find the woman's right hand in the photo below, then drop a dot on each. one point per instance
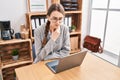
(55, 34)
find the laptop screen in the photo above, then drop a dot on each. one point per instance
(67, 62)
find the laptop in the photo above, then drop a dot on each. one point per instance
(65, 63)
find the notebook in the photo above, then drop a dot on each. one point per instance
(65, 63)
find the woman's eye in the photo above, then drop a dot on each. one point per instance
(54, 18)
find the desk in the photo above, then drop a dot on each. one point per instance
(93, 68)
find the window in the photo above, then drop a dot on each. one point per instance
(105, 17)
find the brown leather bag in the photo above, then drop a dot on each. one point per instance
(92, 44)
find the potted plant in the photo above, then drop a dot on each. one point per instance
(73, 27)
(15, 54)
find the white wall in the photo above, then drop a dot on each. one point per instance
(85, 19)
(13, 10)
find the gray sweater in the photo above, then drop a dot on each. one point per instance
(53, 49)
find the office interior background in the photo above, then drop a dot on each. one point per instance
(100, 18)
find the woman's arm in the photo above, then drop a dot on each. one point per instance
(65, 50)
(41, 53)
(47, 51)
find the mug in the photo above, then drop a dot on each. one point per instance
(17, 36)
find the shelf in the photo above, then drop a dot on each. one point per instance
(10, 62)
(74, 16)
(36, 13)
(12, 41)
(44, 13)
(71, 33)
(75, 33)
(75, 51)
(9, 73)
(15, 64)
(72, 12)
(32, 39)
(24, 47)
(7, 64)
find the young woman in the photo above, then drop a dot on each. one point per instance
(52, 39)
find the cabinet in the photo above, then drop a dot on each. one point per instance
(33, 18)
(7, 64)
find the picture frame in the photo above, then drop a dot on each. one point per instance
(37, 5)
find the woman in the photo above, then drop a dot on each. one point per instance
(52, 39)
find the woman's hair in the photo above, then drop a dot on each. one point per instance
(54, 7)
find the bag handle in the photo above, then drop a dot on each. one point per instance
(100, 49)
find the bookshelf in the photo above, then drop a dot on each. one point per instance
(7, 64)
(75, 15)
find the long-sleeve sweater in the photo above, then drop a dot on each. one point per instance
(53, 49)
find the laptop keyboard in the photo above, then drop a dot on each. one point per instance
(53, 67)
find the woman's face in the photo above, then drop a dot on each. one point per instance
(55, 19)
